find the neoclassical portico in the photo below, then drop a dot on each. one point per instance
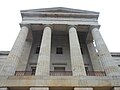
(77, 62)
(59, 49)
(43, 64)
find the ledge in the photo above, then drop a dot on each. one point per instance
(59, 81)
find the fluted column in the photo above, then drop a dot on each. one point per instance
(108, 64)
(96, 64)
(43, 64)
(75, 54)
(15, 53)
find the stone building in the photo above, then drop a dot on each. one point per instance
(59, 49)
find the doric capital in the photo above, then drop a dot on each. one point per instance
(70, 26)
(27, 25)
(94, 26)
(49, 25)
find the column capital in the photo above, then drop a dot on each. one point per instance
(25, 25)
(94, 26)
(72, 26)
(48, 25)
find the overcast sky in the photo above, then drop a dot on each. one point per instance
(109, 18)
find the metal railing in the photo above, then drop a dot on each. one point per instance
(95, 73)
(60, 73)
(24, 73)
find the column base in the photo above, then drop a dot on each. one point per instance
(83, 88)
(116, 88)
(39, 88)
(3, 88)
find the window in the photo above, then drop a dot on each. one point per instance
(37, 50)
(33, 70)
(59, 50)
(82, 50)
(59, 68)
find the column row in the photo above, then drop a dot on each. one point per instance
(43, 64)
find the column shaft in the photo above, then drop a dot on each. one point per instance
(25, 56)
(15, 53)
(43, 64)
(108, 64)
(75, 53)
(96, 64)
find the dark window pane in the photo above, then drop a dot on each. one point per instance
(59, 50)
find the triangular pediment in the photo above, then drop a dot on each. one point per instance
(60, 9)
(58, 12)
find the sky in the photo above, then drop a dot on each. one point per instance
(109, 18)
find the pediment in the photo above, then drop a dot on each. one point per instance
(61, 12)
(60, 9)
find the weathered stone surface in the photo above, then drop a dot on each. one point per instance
(24, 56)
(15, 53)
(96, 64)
(77, 63)
(60, 81)
(43, 64)
(109, 66)
(39, 88)
(83, 88)
(116, 88)
(3, 88)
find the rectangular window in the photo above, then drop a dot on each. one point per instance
(33, 70)
(59, 68)
(82, 50)
(59, 50)
(37, 49)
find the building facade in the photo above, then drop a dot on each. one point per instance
(59, 49)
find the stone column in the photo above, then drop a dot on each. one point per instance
(39, 88)
(15, 53)
(25, 56)
(96, 64)
(43, 64)
(108, 64)
(116, 88)
(77, 63)
(83, 88)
